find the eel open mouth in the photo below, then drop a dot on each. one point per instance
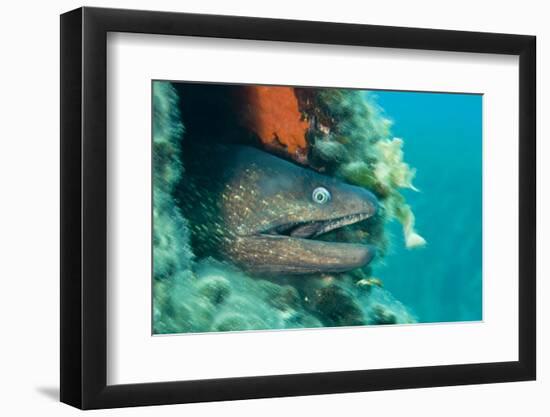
(291, 248)
(314, 228)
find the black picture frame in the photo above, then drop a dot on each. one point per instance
(84, 207)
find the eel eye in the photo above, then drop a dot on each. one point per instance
(321, 195)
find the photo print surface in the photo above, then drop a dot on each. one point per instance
(285, 207)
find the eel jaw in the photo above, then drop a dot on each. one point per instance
(312, 229)
(291, 249)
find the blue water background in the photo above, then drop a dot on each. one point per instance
(442, 136)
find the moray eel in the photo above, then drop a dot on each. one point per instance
(263, 213)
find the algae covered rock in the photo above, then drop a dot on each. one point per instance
(336, 308)
(216, 288)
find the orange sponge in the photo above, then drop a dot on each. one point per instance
(273, 114)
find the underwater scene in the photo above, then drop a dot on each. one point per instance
(285, 207)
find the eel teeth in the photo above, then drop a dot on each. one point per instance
(341, 222)
(310, 229)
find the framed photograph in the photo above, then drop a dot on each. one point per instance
(257, 208)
